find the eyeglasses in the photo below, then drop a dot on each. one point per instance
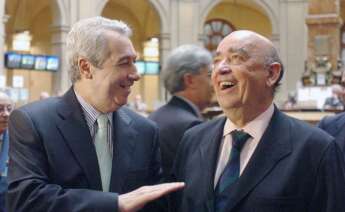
(6, 108)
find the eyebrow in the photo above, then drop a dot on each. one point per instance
(242, 51)
(127, 57)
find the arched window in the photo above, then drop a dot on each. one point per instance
(342, 44)
(215, 30)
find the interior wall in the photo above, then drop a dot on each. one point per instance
(36, 17)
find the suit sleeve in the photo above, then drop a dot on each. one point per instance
(329, 193)
(30, 187)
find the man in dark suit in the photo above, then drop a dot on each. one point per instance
(256, 158)
(6, 107)
(335, 126)
(83, 151)
(186, 77)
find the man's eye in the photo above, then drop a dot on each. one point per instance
(236, 59)
(216, 60)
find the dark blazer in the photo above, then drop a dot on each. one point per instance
(173, 119)
(53, 163)
(335, 126)
(295, 168)
(3, 167)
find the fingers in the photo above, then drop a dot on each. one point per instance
(136, 199)
(156, 191)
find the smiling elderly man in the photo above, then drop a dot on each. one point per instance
(256, 158)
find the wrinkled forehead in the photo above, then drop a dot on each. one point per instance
(246, 45)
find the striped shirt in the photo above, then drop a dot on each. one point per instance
(91, 115)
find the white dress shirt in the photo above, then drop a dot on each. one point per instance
(255, 129)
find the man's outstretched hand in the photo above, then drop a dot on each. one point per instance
(135, 200)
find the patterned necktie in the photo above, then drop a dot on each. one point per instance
(232, 169)
(103, 151)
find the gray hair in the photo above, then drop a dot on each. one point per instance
(182, 60)
(88, 39)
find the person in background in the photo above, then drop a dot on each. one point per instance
(335, 125)
(84, 151)
(186, 78)
(335, 102)
(256, 158)
(44, 95)
(139, 106)
(6, 107)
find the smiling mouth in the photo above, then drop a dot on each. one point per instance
(226, 85)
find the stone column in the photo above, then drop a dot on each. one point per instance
(324, 24)
(3, 20)
(165, 48)
(61, 79)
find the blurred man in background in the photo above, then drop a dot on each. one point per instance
(336, 101)
(186, 78)
(6, 107)
(335, 125)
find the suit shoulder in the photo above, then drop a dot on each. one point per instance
(310, 133)
(326, 121)
(44, 107)
(205, 127)
(137, 118)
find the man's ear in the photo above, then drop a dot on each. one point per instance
(273, 73)
(85, 68)
(188, 80)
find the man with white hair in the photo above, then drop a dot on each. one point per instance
(84, 151)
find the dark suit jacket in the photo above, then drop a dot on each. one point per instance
(335, 126)
(173, 119)
(3, 167)
(295, 168)
(53, 162)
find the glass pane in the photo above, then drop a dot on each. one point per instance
(207, 29)
(226, 30)
(217, 25)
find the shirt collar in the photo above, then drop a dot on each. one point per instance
(254, 128)
(91, 113)
(192, 105)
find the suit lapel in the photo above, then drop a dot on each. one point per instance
(123, 140)
(273, 146)
(208, 151)
(76, 133)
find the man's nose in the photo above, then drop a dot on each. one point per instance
(224, 67)
(134, 75)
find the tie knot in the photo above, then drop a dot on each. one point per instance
(239, 137)
(102, 121)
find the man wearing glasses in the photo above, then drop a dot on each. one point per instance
(6, 107)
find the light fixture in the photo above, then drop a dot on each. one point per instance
(22, 41)
(151, 50)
